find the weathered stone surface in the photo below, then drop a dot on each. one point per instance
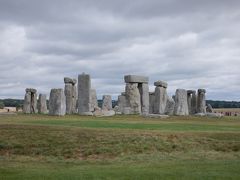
(217, 115)
(42, 104)
(201, 101)
(107, 102)
(181, 105)
(127, 110)
(31, 90)
(209, 108)
(27, 103)
(117, 110)
(30, 101)
(151, 102)
(135, 79)
(70, 81)
(94, 102)
(57, 102)
(133, 98)
(122, 102)
(189, 100)
(104, 113)
(161, 116)
(84, 94)
(160, 100)
(144, 93)
(161, 84)
(169, 106)
(87, 113)
(194, 103)
(70, 92)
(74, 99)
(213, 115)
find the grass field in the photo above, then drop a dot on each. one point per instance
(120, 147)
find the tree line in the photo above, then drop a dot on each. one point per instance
(215, 104)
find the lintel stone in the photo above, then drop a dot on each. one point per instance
(161, 84)
(135, 79)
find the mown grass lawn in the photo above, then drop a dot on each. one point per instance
(120, 147)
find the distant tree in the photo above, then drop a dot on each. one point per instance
(2, 105)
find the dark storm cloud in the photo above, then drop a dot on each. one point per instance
(189, 43)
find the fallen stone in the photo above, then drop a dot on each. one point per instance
(209, 108)
(161, 116)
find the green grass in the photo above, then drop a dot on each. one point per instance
(120, 147)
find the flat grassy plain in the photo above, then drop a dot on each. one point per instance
(119, 147)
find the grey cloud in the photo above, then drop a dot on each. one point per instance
(190, 44)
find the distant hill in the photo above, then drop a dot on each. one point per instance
(215, 104)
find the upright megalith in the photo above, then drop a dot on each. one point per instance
(70, 92)
(93, 100)
(169, 106)
(160, 97)
(42, 104)
(194, 102)
(122, 102)
(107, 102)
(30, 101)
(144, 93)
(84, 94)
(137, 94)
(181, 103)
(133, 97)
(57, 102)
(151, 102)
(201, 101)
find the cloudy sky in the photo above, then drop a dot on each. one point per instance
(188, 43)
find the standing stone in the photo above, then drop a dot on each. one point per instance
(122, 102)
(70, 93)
(189, 99)
(169, 106)
(27, 103)
(42, 104)
(74, 97)
(107, 102)
(194, 103)
(30, 101)
(84, 94)
(144, 93)
(94, 102)
(160, 97)
(151, 102)
(57, 102)
(181, 104)
(133, 97)
(201, 101)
